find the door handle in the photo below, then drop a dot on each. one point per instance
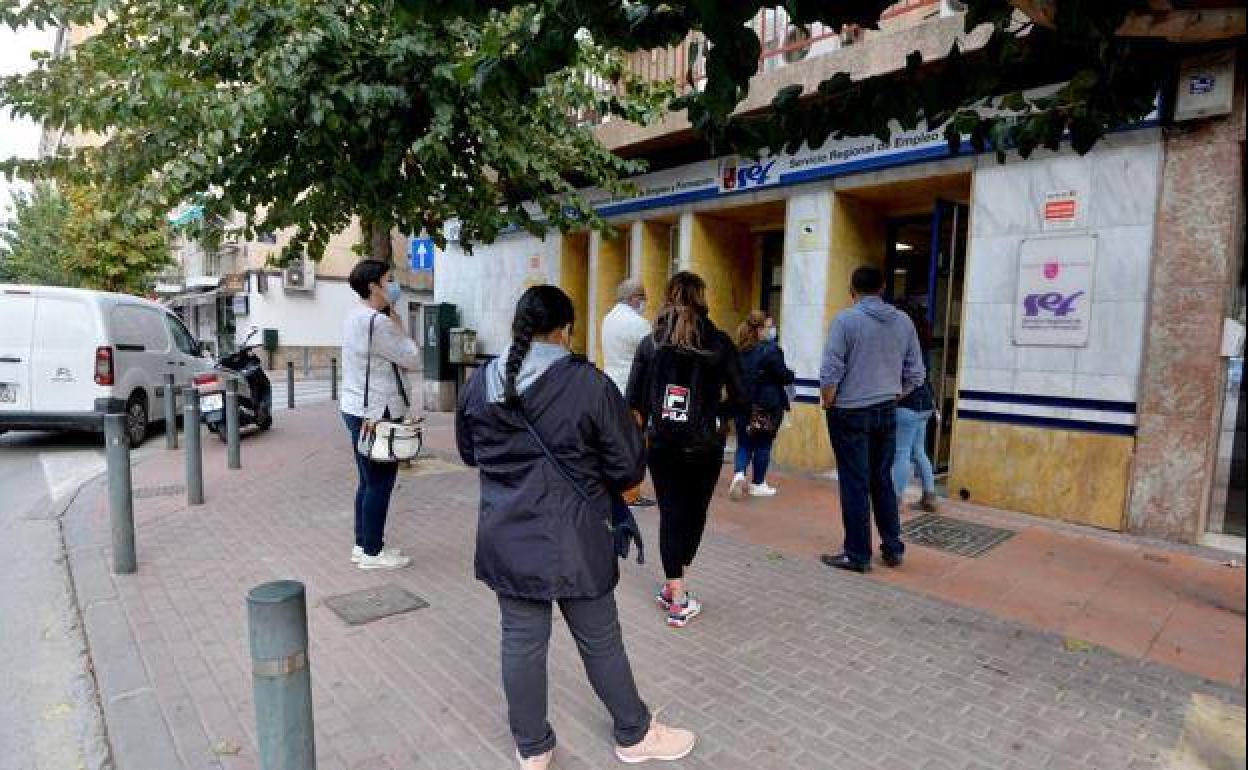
(10, 360)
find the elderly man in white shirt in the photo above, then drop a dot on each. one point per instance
(623, 329)
(374, 350)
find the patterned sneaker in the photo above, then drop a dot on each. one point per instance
(679, 615)
(663, 597)
(663, 743)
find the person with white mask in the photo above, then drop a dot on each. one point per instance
(374, 350)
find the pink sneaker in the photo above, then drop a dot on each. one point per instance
(664, 598)
(666, 744)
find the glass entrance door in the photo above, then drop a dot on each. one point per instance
(926, 267)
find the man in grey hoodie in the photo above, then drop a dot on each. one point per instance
(870, 360)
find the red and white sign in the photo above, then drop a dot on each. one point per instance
(1061, 210)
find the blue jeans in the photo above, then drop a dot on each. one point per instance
(755, 449)
(864, 441)
(912, 448)
(372, 495)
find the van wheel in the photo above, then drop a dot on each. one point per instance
(136, 419)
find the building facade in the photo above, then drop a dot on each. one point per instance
(1084, 308)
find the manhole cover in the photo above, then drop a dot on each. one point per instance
(360, 607)
(963, 538)
(168, 490)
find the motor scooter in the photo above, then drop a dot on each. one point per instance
(255, 392)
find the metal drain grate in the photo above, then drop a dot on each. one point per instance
(963, 538)
(168, 490)
(360, 607)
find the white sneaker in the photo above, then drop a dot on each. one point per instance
(762, 490)
(736, 490)
(389, 558)
(357, 553)
(540, 762)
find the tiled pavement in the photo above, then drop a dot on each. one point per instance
(791, 666)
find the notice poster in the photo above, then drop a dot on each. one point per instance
(1061, 210)
(1053, 304)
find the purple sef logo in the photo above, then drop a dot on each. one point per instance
(1053, 302)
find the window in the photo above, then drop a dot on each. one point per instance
(139, 326)
(181, 337)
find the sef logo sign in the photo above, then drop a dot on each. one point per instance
(1058, 304)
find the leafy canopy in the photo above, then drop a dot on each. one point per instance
(406, 113)
(72, 237)
(305, 115)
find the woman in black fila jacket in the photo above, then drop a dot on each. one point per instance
(677, 386)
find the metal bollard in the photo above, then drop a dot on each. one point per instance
(171, 413)
(277, 624)
(194, 452)
(120, 493)
(333, 379)
(233, 448)
(290, 384)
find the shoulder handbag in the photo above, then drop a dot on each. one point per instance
(622, 531)
(386, 440)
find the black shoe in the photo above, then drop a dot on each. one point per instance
(891, 559)
(843, 561)
(644, 502)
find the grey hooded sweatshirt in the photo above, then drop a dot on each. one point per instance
(872, 355)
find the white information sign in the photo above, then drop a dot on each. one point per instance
(1053, 304)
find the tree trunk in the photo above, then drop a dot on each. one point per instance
(377, 236)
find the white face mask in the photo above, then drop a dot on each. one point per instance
(641, 307)
(771, 333)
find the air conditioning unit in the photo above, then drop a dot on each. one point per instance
(299, 276)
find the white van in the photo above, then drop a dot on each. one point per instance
(69, 356)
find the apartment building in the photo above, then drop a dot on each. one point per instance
(1085, 308)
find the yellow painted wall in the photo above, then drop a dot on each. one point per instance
(858, 237)
(1069, 475)
(802, 443)
(723, 253)
(612, 268)
(574, 280)
(656, 257)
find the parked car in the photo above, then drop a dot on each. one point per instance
(69, 356)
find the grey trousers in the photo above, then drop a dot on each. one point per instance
(595, 625)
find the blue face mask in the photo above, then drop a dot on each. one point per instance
(393, 292)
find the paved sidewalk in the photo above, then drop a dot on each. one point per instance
(792, 666)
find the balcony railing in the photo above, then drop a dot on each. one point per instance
(782, 42)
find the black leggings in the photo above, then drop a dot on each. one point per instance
(683, 483)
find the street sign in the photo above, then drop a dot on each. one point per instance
(420, 254)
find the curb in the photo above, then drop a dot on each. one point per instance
(135, 730)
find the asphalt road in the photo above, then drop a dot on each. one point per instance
(49, 716)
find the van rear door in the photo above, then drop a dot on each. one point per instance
(67, 332)
(17, 329)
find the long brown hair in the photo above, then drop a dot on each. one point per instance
(680, 321)
(750, 331)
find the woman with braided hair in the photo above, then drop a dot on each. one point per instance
(555, 443)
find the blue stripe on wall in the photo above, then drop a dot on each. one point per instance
(801, 383)
(1058, 402)
(1047, 422)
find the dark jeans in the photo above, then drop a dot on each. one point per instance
(372, 496)
(754, 450)
(684, 483)
(864, 442)
(595, 625)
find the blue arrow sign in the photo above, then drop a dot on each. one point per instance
(420, 254)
